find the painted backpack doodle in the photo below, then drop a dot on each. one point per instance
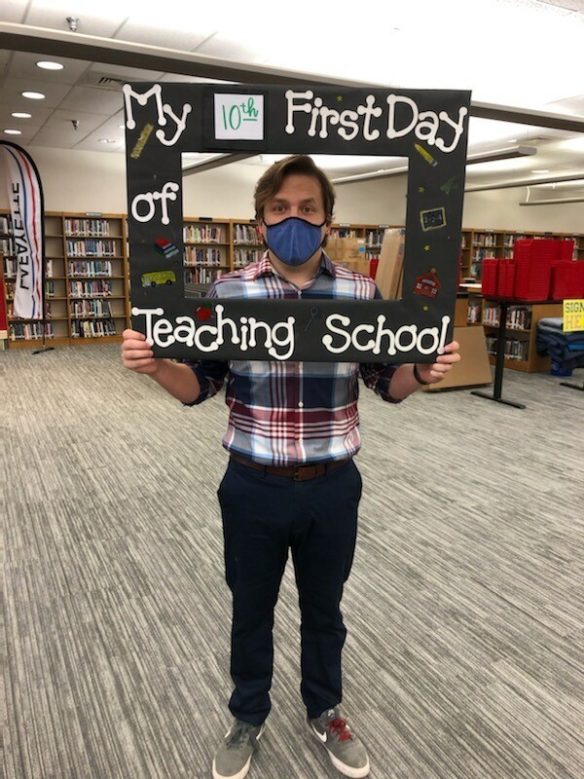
(429, 128)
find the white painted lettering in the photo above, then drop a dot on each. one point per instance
(161, 328)
(347, 120)
(392, 101)
(458, 128)
(363, 347)
(180, 124)
(327, 340)
(286, 341)
(368, 111)
(292, 108)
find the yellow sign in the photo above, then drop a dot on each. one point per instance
(573, 315)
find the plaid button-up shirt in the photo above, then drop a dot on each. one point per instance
(286, 413)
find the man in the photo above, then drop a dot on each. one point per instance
(291, 482)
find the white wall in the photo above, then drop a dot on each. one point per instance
(96, 181)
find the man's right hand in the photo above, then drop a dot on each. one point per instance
(137, 353)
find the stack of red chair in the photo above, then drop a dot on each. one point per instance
(544, 269)
(489, 278)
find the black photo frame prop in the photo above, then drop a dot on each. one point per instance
(428, 127)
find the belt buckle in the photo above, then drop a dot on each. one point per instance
(305, 472)
(297, 473)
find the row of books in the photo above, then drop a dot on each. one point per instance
(243, 257)
(374, 238)
(204, 233)
(91, 308)
(91, 247)
(29, 331)
(201, 275)
(197, 256)
(494, 239)
(518, 317)
(90, 268)
(514, 349)
(245, 234)
(92, 329)
(88, 289)
(87, 227)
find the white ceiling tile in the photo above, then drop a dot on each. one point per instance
(59, 129)
(39, 116)
(10, 93)
(23, 65)
(98, 101)
(25, 138)
(53, 14)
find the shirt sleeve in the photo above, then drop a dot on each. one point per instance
(210, 373)
(377, 375)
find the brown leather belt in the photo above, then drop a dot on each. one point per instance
(296, 472)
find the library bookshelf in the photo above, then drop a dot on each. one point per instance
(479, 244)
(520, 331)
(87, 280)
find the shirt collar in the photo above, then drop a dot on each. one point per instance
(265, 267)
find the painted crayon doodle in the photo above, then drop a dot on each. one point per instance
(142, 140)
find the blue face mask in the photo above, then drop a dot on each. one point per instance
(294, 240)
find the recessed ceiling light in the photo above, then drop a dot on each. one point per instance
(47, 65)
(540, 170)
(13, 132)
(21, 115)
(107, 140)
(512, 140)
(33, 95)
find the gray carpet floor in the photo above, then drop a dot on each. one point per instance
(465, 609)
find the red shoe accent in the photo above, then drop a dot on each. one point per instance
(340, 728)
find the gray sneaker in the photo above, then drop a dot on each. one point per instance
(233, 758)
(347, 753)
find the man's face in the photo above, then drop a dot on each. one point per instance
(300, 195)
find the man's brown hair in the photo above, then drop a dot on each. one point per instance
(271, 182)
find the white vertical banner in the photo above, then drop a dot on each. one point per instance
(26, 208)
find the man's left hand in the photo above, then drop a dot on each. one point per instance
(434, 373)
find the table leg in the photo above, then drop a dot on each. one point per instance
(500, 363)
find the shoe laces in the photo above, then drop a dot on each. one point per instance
(340, 729)
(238, 735)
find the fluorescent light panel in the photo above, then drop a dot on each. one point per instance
(510, 152)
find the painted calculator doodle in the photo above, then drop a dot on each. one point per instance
(433, 219)
(158, 278)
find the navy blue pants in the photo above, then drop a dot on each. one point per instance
(265, 516)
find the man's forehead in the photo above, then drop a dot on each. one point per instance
(282, 196)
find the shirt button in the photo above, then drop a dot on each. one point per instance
(300, 404)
